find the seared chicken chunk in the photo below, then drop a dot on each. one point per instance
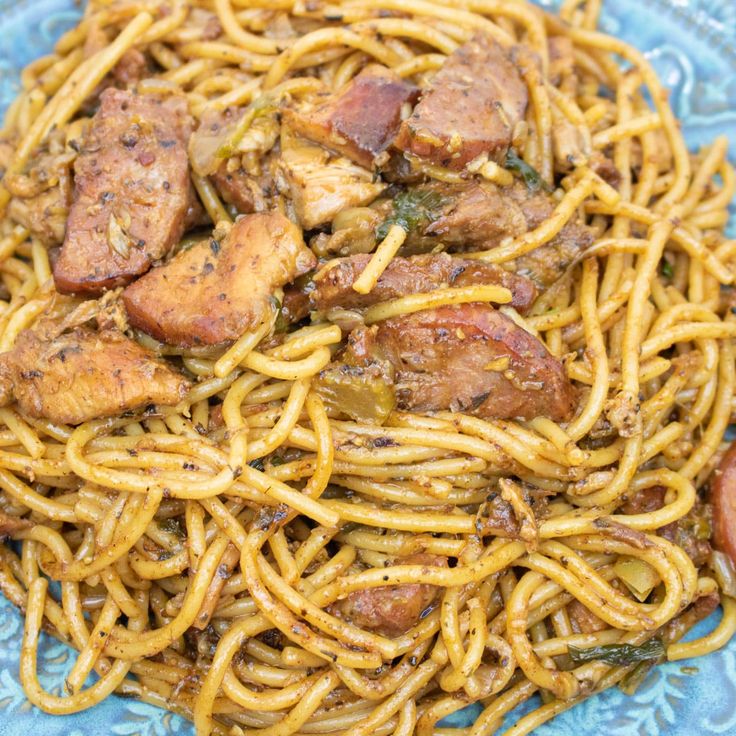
(215, 291)
(41, 197)
(473, 359)
(417, 274)
(392, 610)
(472, 107)
(319, 187)
(361, 120)
(83, 375)
(131, 192)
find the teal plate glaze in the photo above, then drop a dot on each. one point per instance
(692, 44)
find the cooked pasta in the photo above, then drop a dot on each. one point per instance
(360, 361)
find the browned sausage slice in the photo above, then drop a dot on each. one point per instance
(473, 359)
(361, 120)
(472, 107)
(393, 609)
(723, 498)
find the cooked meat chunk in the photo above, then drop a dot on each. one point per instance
(41, 197)
(361, 120)
(392, 610)
(237, 188)
(723, 498)
(215, 291)
(216, 145)
(473, 359)
(131, 192)
(9, 525)
(212, 153)
(480, 216)
(645, 501)
(583, 620)
(692, 532)
(413, 275)
(83, 375)
(477, 215)
(472, 107)
(132, 66)
(319, 187)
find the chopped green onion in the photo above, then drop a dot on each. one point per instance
(529, 174)
(667, 271)
(281, 324)
(410, 208)
(620, 654)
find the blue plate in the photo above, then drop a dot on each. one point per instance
(692, 43)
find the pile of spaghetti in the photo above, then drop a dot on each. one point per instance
(360, 362)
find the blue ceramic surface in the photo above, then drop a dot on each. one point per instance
(692, 44)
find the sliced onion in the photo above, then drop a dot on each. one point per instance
(638, 576)
(725, 572)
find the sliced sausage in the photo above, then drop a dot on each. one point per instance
(362, 119)
(472, 107)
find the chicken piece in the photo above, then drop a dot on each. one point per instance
(83, 375)
(362, 119)
(131, 194)
(235, 185)
(218, 138)
(41, 197)
(392, 610)
(320, 187)
(472, 107)
(215, 291)
(417, 274)
(473, 359)
(481, 215)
